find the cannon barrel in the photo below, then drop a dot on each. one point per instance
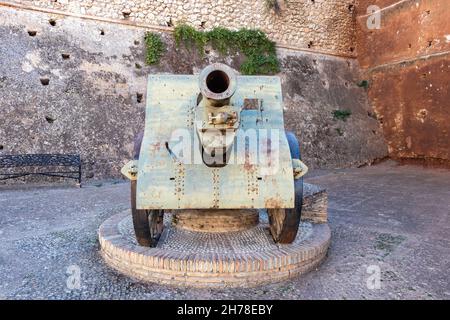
(217, 83)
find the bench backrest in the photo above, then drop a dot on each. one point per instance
(22, 160)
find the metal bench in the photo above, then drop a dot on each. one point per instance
(51, 161)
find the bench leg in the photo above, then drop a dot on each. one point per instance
(79, 176)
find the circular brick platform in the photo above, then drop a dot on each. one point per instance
(212, 259)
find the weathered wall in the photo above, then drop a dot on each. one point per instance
(326, 25)
(91, 106)
(407, 62)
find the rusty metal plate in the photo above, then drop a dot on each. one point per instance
(165, 182)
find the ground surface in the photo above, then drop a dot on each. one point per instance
(395, 218)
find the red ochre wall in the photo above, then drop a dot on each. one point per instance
(407, 64)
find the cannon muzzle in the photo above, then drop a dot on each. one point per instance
(217, 83)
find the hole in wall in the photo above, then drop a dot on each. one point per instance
(351, 7)
(409, 45)
(32, 33)
(207, 51)
(352, 49)
(52, 22)
(136, 42)
(102, 32)
(44, 81)
(315, 62)
(49, 119)
(202, 24)
(1, 147)
(126, 13)
(169, 23)
(65, 56)
(430, 43)
(310, 44)
(428, 11)
(138, 65)
(422, 114)
(139, 97)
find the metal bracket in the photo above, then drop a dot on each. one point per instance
(130, 170)
(300, 169)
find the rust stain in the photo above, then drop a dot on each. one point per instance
(273, 203)
(414, 108)
(251, 104)
(155, 146)
(424, 34)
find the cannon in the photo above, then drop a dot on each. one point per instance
(215, 141)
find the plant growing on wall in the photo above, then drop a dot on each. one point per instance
(154, 46)
(342, 114)
(260, 52)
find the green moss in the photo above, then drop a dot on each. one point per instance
(155, 47)
(341, 114)
(387, 242)
(260, 52)
(363, 84)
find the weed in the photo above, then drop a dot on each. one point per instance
(155, 47)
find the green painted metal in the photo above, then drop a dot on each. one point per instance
(165, 183)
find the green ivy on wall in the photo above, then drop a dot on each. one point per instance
(342, 114)
(155, 47)
(260, 52)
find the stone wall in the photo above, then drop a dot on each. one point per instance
(407, 62)
(93, 103)
(321, 25)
